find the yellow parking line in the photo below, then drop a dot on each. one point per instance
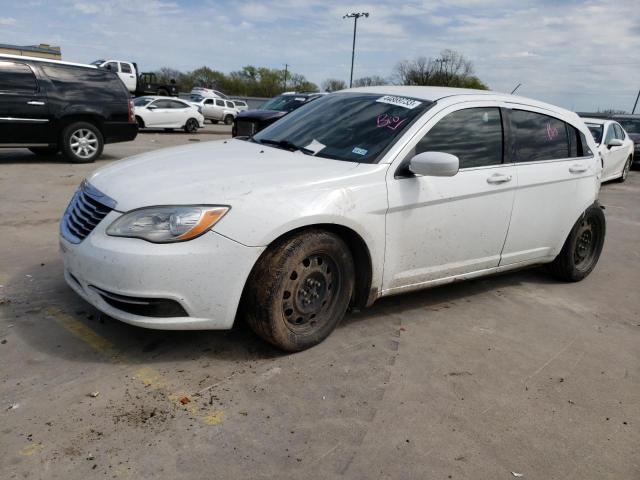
(149, 376)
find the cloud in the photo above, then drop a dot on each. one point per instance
(7, 21)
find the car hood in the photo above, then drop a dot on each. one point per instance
(261, 114)
(219, 172)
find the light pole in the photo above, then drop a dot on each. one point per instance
(514, 90)
(355, 17)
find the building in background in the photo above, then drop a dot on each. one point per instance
(43, 50)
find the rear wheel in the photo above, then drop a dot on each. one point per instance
(82, 142)
(162, 92)
(191, 126)
(140, 122)
(582, 249)
(44, 150)
(625, 170)
(300, 290)
(228, 120)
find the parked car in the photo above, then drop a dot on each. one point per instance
(218, 110)
(137, 83)
(616, 150)
(48, 106)
(631, 125)
(199, 93)
(250, 122)
(359, 195)
(241, 105)
(167, 113)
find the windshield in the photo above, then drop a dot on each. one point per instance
(194, 97)
(596, 131)
(284, 103)
(97, 62)
(142, 101)
(631, 125)
(345, 126)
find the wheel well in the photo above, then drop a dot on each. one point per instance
(362, 295)
(140, 120)
(93, 119)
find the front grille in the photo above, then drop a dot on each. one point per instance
(85, 211)
(245, 128)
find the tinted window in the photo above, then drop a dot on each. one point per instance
(538, 137)
(208, 102)
(125, 68)
(87, 84)
(17, 77)
(356, 127)
(619, 132)
(284, 103)
(162, 104)
(630, 125)
(230, 105)
(574, 141)
(596, 131)
(141, 101)
(113, 66)
(474, 135)
(176, 104)
(220, 103)
(583, 148)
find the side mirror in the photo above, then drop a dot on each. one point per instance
(614, 142)
(151, 107)
(434, 164)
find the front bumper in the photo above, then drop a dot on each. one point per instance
(205, 276)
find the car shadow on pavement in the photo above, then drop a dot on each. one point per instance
(26, 157)
(48, 315)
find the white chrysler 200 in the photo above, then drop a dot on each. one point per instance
(358, 195)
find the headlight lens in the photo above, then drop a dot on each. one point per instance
(167, 224)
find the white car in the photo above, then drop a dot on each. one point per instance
(617, 149)
(241, 105)
(167, 113)
(198, 93)
(358, 195)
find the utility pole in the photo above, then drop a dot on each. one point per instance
(635, 104)
(514, 90)
(355, 17)
(286, 67)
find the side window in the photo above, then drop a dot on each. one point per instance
(220, 103)
(208, 102)
(161, 104)
(538, 137)
(17, 77)
(113, 66)
(230, 105)
(125, 67)
(474, 135)
(611, 134)
(584, 150)
(619, 132)
(574, 141)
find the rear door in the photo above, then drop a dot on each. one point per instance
(555, 171)
(440, 227)
(208, 108)
(219, 109)
(24, 113)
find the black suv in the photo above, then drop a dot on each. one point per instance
(47, 106)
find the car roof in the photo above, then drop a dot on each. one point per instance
(44, 60)
(434, 94)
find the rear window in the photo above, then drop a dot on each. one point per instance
(17, 77)
(86, 84)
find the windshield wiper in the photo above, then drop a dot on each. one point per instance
(287, 145)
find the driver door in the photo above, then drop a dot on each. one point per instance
(440, 227)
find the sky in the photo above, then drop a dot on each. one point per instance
(581, 55)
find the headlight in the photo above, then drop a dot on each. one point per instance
(167, 224)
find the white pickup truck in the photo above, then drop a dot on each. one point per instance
(136, 82)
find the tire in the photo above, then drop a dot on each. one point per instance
(73, 146)
(625, 170)
(300, 290)
(228, 120)
(191, 126)
(44, 150)
(162, 92)
(582, 249)
(140, 122)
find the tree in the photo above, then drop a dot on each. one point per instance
(370, 81)
(450, 69)
(333, 85)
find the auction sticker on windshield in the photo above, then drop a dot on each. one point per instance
(405, 102)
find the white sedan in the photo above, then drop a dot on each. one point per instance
(616, 150)
(167, 113)
(358, 195)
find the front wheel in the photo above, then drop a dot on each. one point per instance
(300, 290)
(582, 249)
(228, 120)
(191, 126)
(625, 170)
(82, 142)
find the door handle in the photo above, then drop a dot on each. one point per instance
(498, 178)
(35, 102)
(578, 168)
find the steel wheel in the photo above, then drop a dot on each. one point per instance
(309, 293)
(586, 242)
(84, 143)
